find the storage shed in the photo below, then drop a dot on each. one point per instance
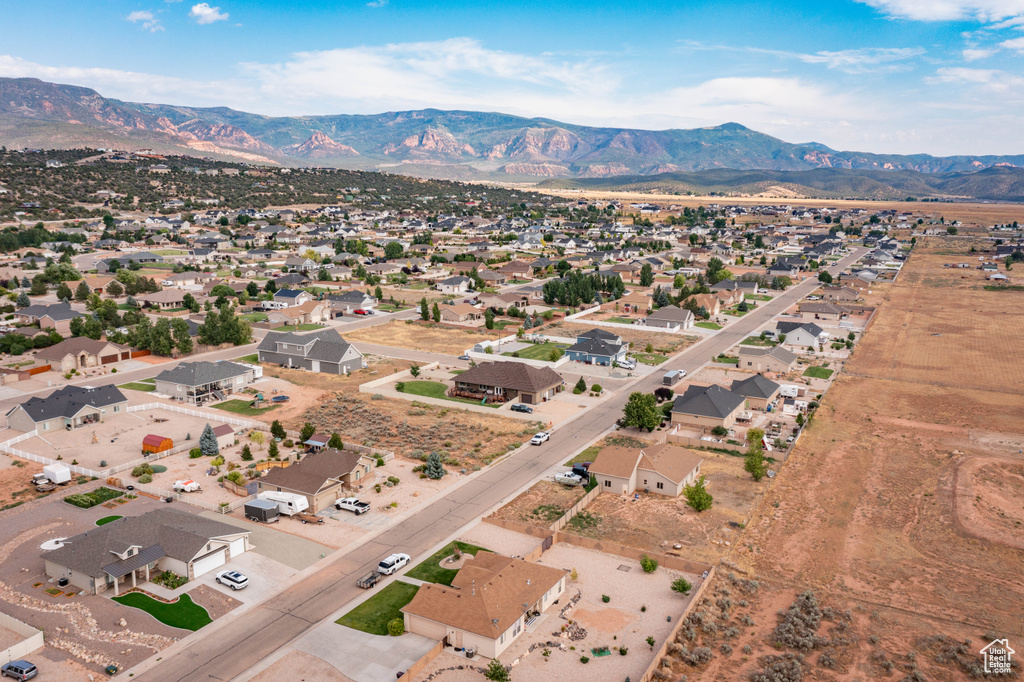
(152, 443)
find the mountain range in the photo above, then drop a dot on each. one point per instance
(476, 146)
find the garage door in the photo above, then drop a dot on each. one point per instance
(237, 547)
(207, 563)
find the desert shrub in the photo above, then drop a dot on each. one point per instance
(799, 626)
(725, 649)
(142, 470)
(784, 668)
(236, 478)
(827, 661)
(605, 598)
(146, 478)
(288, 443)
(648, 564)
(682, 586)
(195, 453)
(584, 659)
(217, 461)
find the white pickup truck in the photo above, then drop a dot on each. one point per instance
(568, 478)
(353, 505)
(187, 487)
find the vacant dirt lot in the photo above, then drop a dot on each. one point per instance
(542, 504)
(901, 503)
(419, 335)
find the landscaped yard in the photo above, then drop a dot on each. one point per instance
(756, 341)
(818, 372)
(707, 325)
(435, 389)
(243, 407)
(650, 358)
(539, 351)
(621, 320)
(311, 327)
(254, 317)
(107, 519)
(430, 569)
(757, 297)
(727, 360)
(183, 613)
(736, 313)
(373, 615)
(253, 359)
(140, 385)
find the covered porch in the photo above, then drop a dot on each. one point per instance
(135, 569)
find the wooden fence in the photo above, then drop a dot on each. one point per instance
(416, 668)
(560, 523)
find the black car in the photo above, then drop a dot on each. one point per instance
(19, 670)
(582, 470)
(520, 407)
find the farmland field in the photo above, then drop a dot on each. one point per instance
(901, 506)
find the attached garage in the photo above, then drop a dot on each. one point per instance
(153, 443)
(209, 562)
(237, 547)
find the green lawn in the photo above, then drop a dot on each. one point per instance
(726, 360)
(435, 389)
(107, 519)
(818, 372)
(539, 351)
(373, 615)
(170, 252)
(620, 320)
(650, 358)
(756, 297)
(243, 407)
(756, 341)
(418, 286)
(707, 325)
(457, 371)
(141, 385)
(254, 317)
(253, 359)
(184, 613)
(310, 327)
(587, 455)
(736, 313)
(501, 324)
(430, 569)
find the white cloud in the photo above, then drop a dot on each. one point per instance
(1013, 44)
(204, 14)
(973, 54)
(147, 19)
(854, 61)
(948, 10)
(991, 81)
(377, 3)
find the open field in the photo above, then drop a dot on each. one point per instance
(422, 336)
(901, 505)
(542, 504)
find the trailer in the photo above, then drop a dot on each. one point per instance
(369, 580)
(673, 377)
(262, 511)
(55, 474)
(288, 504)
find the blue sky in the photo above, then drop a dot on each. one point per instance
(931, 76)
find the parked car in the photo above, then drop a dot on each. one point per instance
(540, 438)
(627, 364)
(568, 478)
(353, 505)
(232, 579)
(464, 357)
(306, 517)
(520, 407)
(19, 670)
(582, 469)
(393, 564)
(360, 311)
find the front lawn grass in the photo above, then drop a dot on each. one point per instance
(254, 317)
(243, 407)
(756, 341)
(587, 455)
(727, 360)
(183, 613)
(707, 325)
(650, 358)
(538, 351)
(373, 615)
(309, 327)
(253, 359)
(435, 389)
(107, 519)
(430, 568)
(818, 372)
(139, 386)
(756, 297)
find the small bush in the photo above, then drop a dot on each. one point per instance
(605, 598)
(142, 470)
(288, 443)
(648, 564)
(145, 478)
(623, 650)
(396, 627)
(584, 659)
(195, 453)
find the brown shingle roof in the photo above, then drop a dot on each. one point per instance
(514, 375)
(671, 461)
(310, 474)
(490, 587)
(616, 461)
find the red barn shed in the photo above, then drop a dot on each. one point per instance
(153, 443)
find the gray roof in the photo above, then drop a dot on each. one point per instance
(459, 279)
(602, 334)
(809, 327)
(354, 296)
(313, 472)
(593, 346)
(178, 534)
(56, 311)
(145, 556)
(201, 373)
(777, 352)
(671, 313)
(755, 387)
(328, 344)
(69, 401)
(289, 293)
(708, 401)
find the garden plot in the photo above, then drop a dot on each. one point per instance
(118, 438)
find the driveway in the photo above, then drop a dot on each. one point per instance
(265, 577)
(369, 521)
(362, 656)
(290, 550)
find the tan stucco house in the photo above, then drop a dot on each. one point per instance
(664, 469)
(322, 477)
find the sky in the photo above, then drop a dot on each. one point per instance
(940, 77)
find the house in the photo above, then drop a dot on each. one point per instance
(841, 293)
(709, 302)
(854, 282)
(597, 347)
(128, 551)
(729, 297)
(293, 297)
(199, 382)
(292, 279)
(67, 408)
(96, 283)
(802, 333)
(516, 270)
(350, 301)
(460, 313)
(488, 605)
(664, 469)
(310, 312)
(165, 299)
(759, 391)
(321, 477)
(57, 316)
(80, 352)
(189, 279)
(771, 359)
(301, 264)
(502, 381)
(821, 310)
(323, 351)
(707, 407)
(142, 257)
(492, 278)
(670, 317)
(455, 285)
(739, 285)
(635, 302)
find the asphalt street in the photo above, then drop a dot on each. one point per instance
(224, 651)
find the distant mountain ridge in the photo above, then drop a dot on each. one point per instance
(455, 144)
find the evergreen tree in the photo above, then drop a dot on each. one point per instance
(580, 387)
(437, 312)
(82, 292)
(496, 672)
(208, 442)
(646, 275)
(335, 442)
(424, 309)
(434, 470)
(307, 432)
(277, 430)
(246, 453)
(23, 300)
(273, 451)
(114, 289)
(489, 318)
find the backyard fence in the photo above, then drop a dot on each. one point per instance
(196, 413)
(187, 498)
(562, 522)
(33, 639)
(6, 446)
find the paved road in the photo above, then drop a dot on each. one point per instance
(227, 651)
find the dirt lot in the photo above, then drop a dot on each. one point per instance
(637, 338)
(541, 504)
(902, 501)
(419, 335)
(14, 481)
